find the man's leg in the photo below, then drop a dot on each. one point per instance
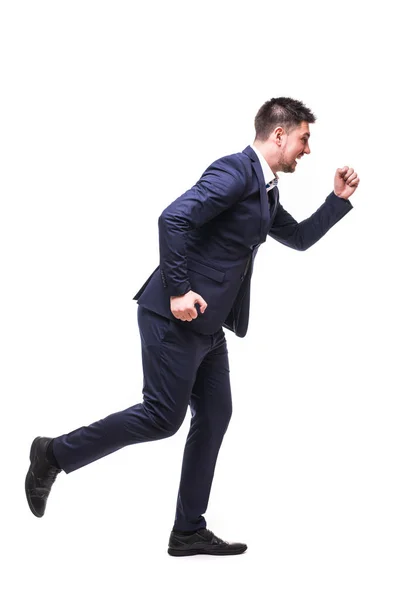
(171, 356)
(211, 408)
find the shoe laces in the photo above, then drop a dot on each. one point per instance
(219, 540)
(52, 474)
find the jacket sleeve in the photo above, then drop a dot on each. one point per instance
(220, 186)
(301, 236)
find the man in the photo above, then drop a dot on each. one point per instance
(209, 238)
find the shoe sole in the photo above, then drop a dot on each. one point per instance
(31, 456)
(173, 552)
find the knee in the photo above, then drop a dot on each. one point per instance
(170, 427)
(215, 422)
(167, 424)
(224, 417)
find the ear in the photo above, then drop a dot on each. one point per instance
(278, 133)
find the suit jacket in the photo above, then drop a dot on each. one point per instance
(210, 235)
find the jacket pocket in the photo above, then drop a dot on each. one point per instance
(210, 272)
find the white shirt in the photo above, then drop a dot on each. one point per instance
(266, 169)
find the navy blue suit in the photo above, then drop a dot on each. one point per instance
(208, 239)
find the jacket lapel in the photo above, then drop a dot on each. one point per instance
(265, 214)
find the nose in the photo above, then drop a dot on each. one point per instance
(307, 149)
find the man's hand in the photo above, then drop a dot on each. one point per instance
(183, 307)
(345, 183)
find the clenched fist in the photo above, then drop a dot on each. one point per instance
(346, 182)
(183, 307)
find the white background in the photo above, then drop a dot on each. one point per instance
(109, 111)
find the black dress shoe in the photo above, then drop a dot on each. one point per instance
(40, 477)
(202, 541)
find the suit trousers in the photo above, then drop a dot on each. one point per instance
(181, 368)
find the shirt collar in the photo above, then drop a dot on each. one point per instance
(266, 169)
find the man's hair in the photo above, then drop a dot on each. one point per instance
(283, 112)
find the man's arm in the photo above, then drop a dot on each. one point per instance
(220, 186)
(301, 236)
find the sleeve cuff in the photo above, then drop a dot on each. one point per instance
(340, 199)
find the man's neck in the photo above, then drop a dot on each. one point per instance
(261, 147)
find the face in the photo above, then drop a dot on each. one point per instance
(294, 146)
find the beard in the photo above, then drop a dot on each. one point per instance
(288, 167)
(285, 165)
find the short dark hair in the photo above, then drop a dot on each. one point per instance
(284, 112)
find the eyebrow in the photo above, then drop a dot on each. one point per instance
(307, 134)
